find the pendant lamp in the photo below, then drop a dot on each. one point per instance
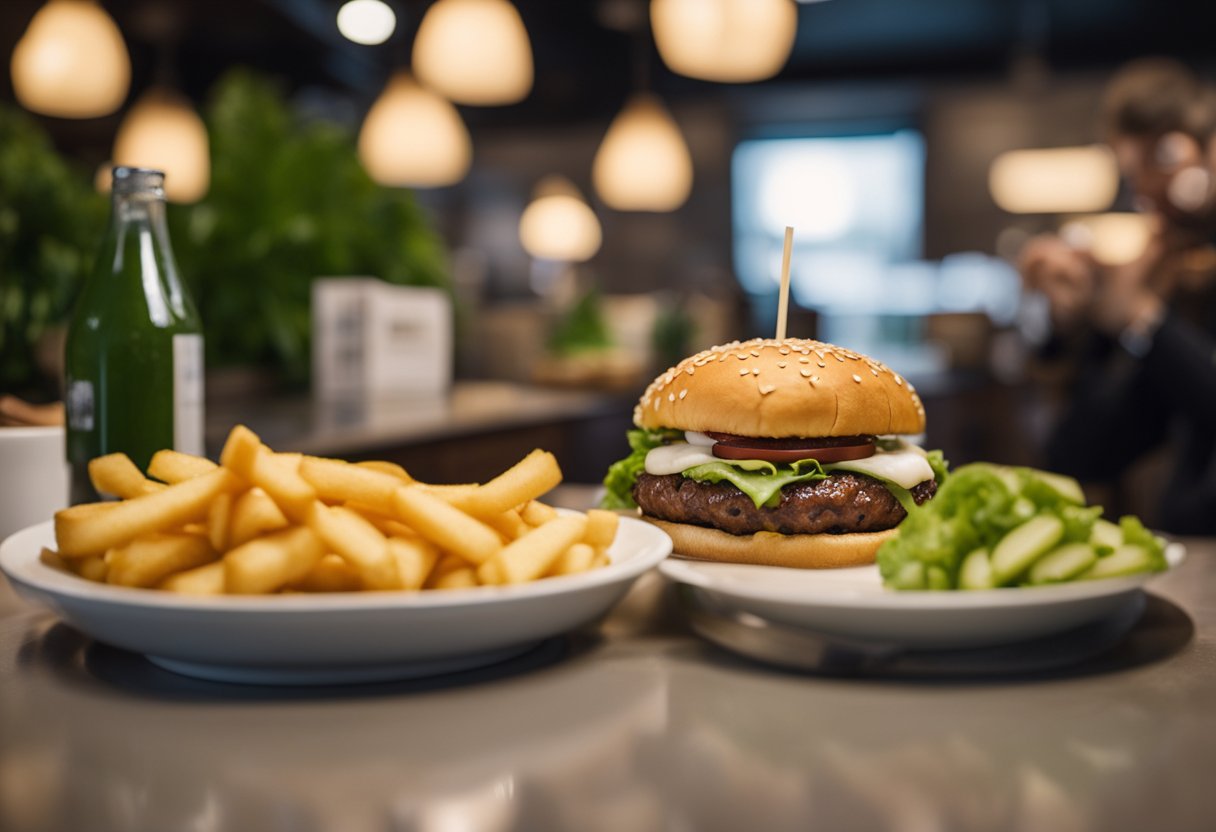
(643, 163)
(558, 224)
(414, 138)
(163, 131)
(71, 62)
(474, 52)
(733, 41)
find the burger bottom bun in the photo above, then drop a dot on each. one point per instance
(802, 551)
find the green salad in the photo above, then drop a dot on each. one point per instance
(994, 526)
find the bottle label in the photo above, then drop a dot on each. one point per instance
(188, 394)
(80, 405)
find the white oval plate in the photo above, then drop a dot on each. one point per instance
(331, 638)
(853, 603)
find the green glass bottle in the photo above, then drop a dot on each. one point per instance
(134, 358)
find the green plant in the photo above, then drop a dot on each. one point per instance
(581, 328)
(288, 202)
(50, 222)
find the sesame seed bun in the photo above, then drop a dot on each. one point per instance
(802, 551)
(769, 388)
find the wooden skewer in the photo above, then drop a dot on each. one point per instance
(783, 304)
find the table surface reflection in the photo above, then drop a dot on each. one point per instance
(634, 724)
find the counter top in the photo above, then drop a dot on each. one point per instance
(634, 724)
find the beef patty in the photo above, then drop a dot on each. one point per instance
(844, 502)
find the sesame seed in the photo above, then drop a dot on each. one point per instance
(781, 364)
(873, 371)
(856, 378)
(683, 393)
(743, 371)
(656, 404)
(899, 380)
(671, 397)
(742, 356)
(755, 353)
(804, 361)
(821, 364)
(814, 379)
(784, 350)
(755, 371)
(691, 370)
(805, 373)
(838, 357)
(765, 389)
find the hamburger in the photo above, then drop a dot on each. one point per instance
(787, 453)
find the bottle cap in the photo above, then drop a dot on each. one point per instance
(130, 180)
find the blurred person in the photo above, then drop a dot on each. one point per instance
(1143, 334)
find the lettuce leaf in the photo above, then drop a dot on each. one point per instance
(763, 482)
(623, 474)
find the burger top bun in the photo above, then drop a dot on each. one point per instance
(769, 388)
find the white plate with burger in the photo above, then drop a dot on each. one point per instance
(331, 638)
(780, 467)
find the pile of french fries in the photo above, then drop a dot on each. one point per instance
(266, 522)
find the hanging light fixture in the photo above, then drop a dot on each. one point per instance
(1054, 180)
(366, 22)
(474, 52)
(163, 131)
(643, 163)
(71, 62)
(731, 41)
(414, 138)
(558, 224)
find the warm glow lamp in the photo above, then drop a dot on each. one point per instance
(1114, 239)
(558, 224)
(366, 22)
(732, 41)
(163, 131)
(414, 138)
(1054, 180)
(71, 62)
(643, 163)
(474, 52)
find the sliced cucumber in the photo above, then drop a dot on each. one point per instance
(1127, 559)
(1017, 550)
(1064, 487)
(976, 571)
(937, 578)
(1063, 563)
(1106, 534)
(910, 576)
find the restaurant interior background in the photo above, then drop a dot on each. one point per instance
(879, 138)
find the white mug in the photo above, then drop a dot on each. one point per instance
(33, 476)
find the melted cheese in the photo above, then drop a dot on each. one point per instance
(677, 457)
(906, 467)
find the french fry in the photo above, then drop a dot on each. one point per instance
(445, 525)
(342, 482)
(360, 543)
(578, 558)
(202, 580)
(383, 467)
(451, 572)
(508, 524)
(174, 466)
(532, 555)
(94, 568)
(83, 530)
(536, 513)
(219, 519)
(117, 476)
(532, 476)
(601, 528)
(276, 474)
(272, 562)
(331, 574)
(148, 560)
(415, 560)
(253, 515)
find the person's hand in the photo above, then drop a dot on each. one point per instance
(1062, 274)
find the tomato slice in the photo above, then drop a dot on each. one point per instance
(826, 449)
